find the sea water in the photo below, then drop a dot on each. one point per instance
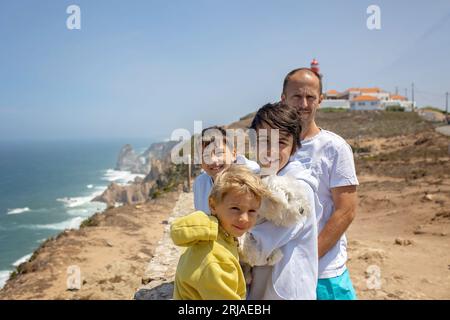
(46, 187)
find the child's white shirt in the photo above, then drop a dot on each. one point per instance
(204, 183)
(294, 277)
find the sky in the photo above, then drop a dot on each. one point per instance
(140, 69)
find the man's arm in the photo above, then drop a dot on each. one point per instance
(345, 201)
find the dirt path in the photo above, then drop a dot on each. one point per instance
(160, 272)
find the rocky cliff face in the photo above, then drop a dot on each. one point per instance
(161, 175)
(128, 160)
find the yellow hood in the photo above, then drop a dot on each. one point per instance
(209, 267)
(193, 228)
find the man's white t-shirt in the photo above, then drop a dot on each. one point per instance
(204, 183)
(330, 159)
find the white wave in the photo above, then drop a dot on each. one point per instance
(78, 212)
(4, 276)
(121, 177)
(68, 224)
(73, 202)
(22, 260)
(89, 186)
(18, 210)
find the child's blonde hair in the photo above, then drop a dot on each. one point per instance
(240, 179)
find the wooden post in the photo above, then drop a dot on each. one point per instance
(189, 173)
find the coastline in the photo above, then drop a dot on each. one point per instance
(111, 249)
(74, 211)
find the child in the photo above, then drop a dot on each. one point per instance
(214, 163)
(295, 275)
(209, 268)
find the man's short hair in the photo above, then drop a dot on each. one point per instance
(282, 117)
(290, 74)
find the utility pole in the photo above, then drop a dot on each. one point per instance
(412, 96)
(446, 109)
(406, 93)
(396, 90)
(189, 173)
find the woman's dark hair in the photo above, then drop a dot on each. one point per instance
(279, 116)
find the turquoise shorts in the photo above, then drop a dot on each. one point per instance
(337, 288)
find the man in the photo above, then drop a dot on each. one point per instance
(331, 160)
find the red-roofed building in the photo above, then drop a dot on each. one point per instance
(365, 99)
(396, 97)
(352, 93)
(365, 102)
(331, 94)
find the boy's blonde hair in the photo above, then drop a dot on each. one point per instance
(240, 179)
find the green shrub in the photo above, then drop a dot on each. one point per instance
(330, 110)
(89, 222)
(397, 108)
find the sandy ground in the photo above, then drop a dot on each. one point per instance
(111, 256)
(399, 242)
(402, 234)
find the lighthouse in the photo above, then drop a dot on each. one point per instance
(315, 66)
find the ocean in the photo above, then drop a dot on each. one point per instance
(46, 187)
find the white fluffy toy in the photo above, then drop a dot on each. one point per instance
(287, 206)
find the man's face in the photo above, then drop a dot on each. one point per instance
(217, 158)
(237, 212)
(302, 92)
(275, 157)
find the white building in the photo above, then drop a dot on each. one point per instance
(399, 101)
(335, 103)
(365, 103)
(365, 99)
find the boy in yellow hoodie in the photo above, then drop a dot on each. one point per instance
(209, 268)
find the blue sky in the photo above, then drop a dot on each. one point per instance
(140, 69)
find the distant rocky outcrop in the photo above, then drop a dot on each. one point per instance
(128, 160)
(136, 192)
(162, 175)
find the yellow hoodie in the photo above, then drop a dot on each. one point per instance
(209, 268)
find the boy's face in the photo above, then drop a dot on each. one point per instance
(217, 158)
(274, 158)
(237, 212)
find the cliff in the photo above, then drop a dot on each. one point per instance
(128, 160)
(163, 175)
